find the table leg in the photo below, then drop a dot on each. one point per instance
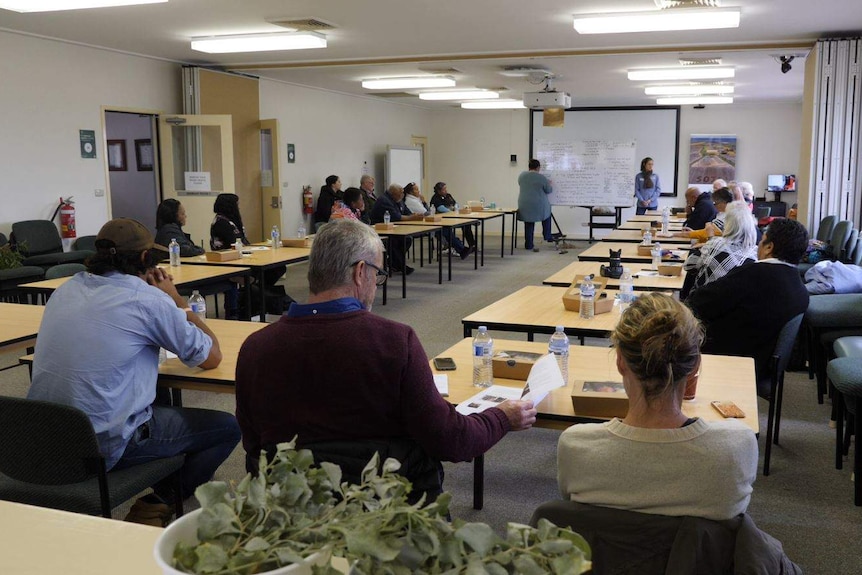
(480, 247)
(262, 296)
(468, 330)
(478, 482)
(386, 266)
(439, 259)
(404, 268)
(176, 397)
(483, 242)
(514, 232)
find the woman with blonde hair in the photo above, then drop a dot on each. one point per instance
(656, 459)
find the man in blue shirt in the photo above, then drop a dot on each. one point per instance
(98, 351)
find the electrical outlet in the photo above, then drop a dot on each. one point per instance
(99, 193)
(284, 184)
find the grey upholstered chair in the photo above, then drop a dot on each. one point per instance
(780, 358)
(845, 374)
(11, 278)
(63, 270)
(49, 457)
(85, 243)
(824, 232)
(40, 242)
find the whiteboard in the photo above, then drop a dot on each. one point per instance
(592, 160)
(403, 165)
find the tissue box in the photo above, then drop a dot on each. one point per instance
(603, 399)
(510, 364)
(382, 226)
(572, 296)
(645, 249)
(669, 269)
(434, 218)
(223, 256)
(296, 242)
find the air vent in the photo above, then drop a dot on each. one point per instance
(303, 24)
(700, 61)
(440, 71)
(688, 3)
(523, 71)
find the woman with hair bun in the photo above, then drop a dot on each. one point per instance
(656, 460)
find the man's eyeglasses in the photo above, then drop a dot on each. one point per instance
(381, 275)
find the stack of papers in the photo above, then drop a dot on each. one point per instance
(544, 376)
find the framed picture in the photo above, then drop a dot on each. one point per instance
(144, 155)
(117, 155)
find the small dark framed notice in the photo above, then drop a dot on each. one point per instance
(117, 155)
(144, 155)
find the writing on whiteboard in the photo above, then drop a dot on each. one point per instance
(589, 172)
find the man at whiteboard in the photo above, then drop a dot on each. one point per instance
(533, 204)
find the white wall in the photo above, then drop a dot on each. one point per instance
(50, 90)
(470, 150)
(333, 134)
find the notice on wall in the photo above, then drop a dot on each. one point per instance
(197, 181)
(589, 172)
(88, 143)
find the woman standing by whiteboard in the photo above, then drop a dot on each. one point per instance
(647, 188)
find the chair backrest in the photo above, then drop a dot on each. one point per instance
(849, 246)
(839, 238)
(47, 443)
(85, 243)
(784, 344)
(37, 237)
(762, 212)
(63, 270)
(3, 240)
(824, 232)
(855, 253)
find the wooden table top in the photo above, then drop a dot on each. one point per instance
(636, 236)
(260, 256)
(565, 276)
(675, 225)
(182, 275)
(410, 229)
(42, 541)
(721, 378)
(483, 215)
(446, 222)
(599, 252)
(539, 309)
(19, 324)
(653, 215)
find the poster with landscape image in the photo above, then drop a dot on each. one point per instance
(711, 157)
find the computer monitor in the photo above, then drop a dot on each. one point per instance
(781, 183)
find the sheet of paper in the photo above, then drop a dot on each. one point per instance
(441, 381)
(544, 376)
(645, 274)
(488, 397)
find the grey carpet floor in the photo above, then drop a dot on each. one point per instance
(806, 503)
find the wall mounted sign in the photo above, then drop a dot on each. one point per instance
(88, 143)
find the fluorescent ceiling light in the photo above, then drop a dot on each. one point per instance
(670, 19)
(688, 90)
(459, 95)
(503, 104)
(408, 83)
(268, 42)
(684, 101)
(55, 5)
(682, 73)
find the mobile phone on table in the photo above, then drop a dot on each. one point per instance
(728, 409)
(444, 363)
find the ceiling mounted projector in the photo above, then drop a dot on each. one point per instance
(547, 100)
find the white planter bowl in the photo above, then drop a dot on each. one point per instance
(185, 529)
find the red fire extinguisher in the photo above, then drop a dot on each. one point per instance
(67, 218)
(307, 200)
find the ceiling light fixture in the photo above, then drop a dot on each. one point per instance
(682, 73)
(56, 5)
(267, 42)
(689, 90)
(671, 19)
(408, 83)
(502, 104)
(684, 101)
(459, 95)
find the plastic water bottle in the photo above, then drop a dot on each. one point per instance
(647, 237)
(301, 231)
(665, 221)
(457, 207)
(174, 251)
(238, 244)
(627, 289)
(482, 201)
(655, 252)
(559, 346)
(432, 209)
(483, 351)
(588, 298)
(276, 238)
(387, 218)
(198, 305)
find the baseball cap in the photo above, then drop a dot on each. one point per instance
(127, 235)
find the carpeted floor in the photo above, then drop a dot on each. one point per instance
(805, 502)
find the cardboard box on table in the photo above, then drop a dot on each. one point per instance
(603, 399)
(297, 242)
(383, 226)
(223, 256)
(670, 269)
(572, 296)
(513, 364)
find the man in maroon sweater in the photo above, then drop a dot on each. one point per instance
(330, 371)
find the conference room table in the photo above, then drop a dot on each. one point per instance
(643, 277)
(600, 252)
(653, 216)
(507, 212)
(42, 541)
(259, 257)
(674, 225)
(636, 236)
(19, 325)
(722, 378)
(482, 216)
(451, 224)
(410, 230)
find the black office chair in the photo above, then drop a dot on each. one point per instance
(780, 358)
(49, 457)
(11, 278)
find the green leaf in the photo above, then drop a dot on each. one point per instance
(211, 493)
(332, 471)
(365, 540)
(525, 565)
(217, 520)
(370, 470)
(391, 465)
(257, 544)
(185, 556)
(496, 569)
(479, 536)
(211, 558)
(577, 539)
(450, 553)
(555, 546)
